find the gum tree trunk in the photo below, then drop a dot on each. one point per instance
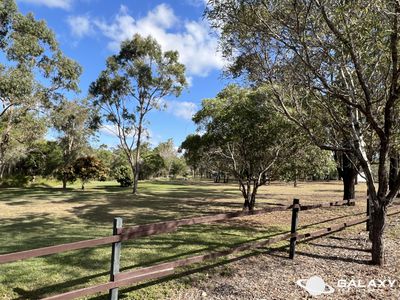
(137, 158)
(377, 235)
(349, 175)
(64, 182)
(394, 170)
(249, 195)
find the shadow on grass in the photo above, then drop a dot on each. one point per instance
(60, 287)
(91, 218)
(85, 259)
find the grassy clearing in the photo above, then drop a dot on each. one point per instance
(45, 215)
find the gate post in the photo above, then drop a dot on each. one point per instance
(115, 258)
(293, 230)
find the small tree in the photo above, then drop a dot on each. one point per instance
(245, 135)
(168, 153)
(152, 165)
(87, 168)
(135, 82)
(123, 176)
(178, 167)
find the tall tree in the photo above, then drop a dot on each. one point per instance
(34, 72)
(330, 65)
(168, 153)
(193, 151)
(75, 123)
(135, 82)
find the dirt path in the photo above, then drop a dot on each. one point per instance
(340, 256)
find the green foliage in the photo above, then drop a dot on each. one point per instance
(15, 180)
(20, 136)
(194, 151)
(34, 75)
(42, 159)
(65, 173)
(123, 175)
(168, 153)
(242, 131)
(87, 168)
(306, 161)
(106, 156)
(152, 165)
(73, 121)
(178, 167)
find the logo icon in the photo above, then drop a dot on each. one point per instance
(315, 286)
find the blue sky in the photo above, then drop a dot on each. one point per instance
(91, 30)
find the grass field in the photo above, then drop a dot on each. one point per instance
(46, 215)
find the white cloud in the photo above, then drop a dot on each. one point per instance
(109, 129)
(192, 39)
(197, 3)
(182, 109)
(64, 4)
(189, 80)
(79, 25)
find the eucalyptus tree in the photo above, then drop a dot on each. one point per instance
(332, 68)
(168, 153)
(22, 141)
(193, 151)
(306, 160)
(34, 71)
(135, 82)
(75, 123)
(246, 135)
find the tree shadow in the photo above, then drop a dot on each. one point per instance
(334, 258)
(173, 243)
(340, 247)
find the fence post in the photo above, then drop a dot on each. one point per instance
(293, 230)
(115, 258)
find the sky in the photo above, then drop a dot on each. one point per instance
(89, 31)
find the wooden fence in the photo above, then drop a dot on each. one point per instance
(120, 234)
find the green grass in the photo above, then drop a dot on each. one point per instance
(44, 215)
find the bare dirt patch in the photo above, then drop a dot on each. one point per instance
(344, 255)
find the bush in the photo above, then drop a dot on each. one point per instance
(123, 176)
(15, 181)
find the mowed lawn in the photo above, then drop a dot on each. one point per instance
(46, 215)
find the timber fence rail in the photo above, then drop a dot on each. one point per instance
(124, 234)
(120, 234)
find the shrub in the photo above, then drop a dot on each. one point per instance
(123, 176)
